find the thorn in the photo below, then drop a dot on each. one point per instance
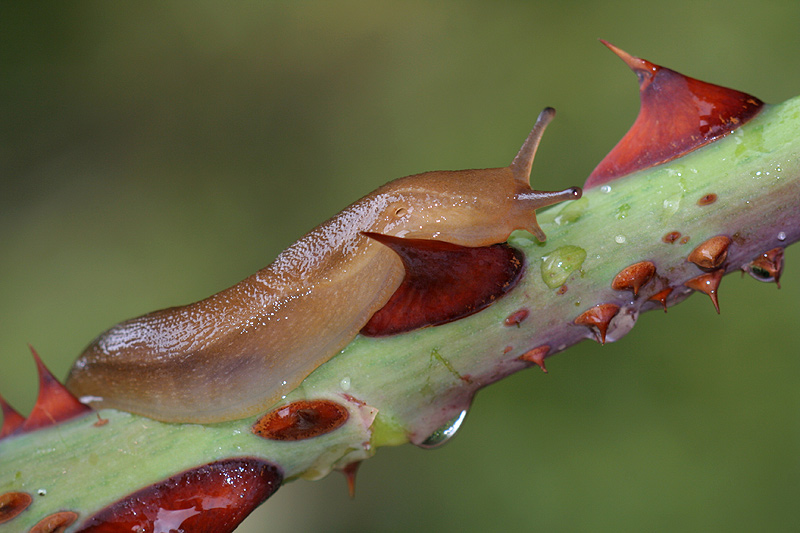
(708, 283)
(634, 277)
(350, 472)
(710, 254)
(597, 319)
(661, 296)
(54, 404)
(12, 420)
(767, 267)
(536, 356)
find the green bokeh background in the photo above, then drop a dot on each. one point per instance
(154, 153)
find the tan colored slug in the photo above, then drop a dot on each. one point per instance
(237, 352)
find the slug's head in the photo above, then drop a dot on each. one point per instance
(472, 207)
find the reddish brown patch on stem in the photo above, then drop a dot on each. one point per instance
(214, 497)
(662, 296)
(54, 404)
(767, 267)
(678, 114)
(536, 356)
(708, 199)
(55, 523)
(443, 282)
(634, 277)
(517, 317)
(684, 239)
(12, 504)
(708, 284)
(597, 319)
(710, 254)
(303, 419)
(671, 237)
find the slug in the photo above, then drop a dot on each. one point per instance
(237, 352)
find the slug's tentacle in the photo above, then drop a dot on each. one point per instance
(443, 282)
(523, 163)
(236, 353)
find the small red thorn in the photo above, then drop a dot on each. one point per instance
(710, 255)
(597, 319)
(634, 277)
(12, 420)
(54, 404)
(767, 267)
(517, 317)
(536, 356)
(708, 283)
(678, 114)
(350, 472)
(661, 296)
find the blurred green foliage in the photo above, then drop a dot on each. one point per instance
(154, 153)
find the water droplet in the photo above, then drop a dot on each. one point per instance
(560, 263)
(605, 189)
(444, 433)
(620, 239)
(345, 383)
(622, 211)
(782, 236)
(42, 492)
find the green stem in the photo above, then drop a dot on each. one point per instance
(412, 387)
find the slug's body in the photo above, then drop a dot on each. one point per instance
(237, 352)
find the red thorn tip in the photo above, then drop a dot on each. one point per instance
(710, 254)
(54, 404)
(536, 356)
(634, 277)
(350, 472)
(708, 284)
(12, 420)
(598, 319)
(678, 114)
(662, 296)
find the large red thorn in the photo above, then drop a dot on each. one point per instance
(677, 115)
(443, 282)
(214, 497)
(54, 404)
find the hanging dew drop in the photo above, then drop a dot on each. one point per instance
(444, 433)
(782, 236)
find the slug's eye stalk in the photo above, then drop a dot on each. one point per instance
(523, 162)
(528, 199)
